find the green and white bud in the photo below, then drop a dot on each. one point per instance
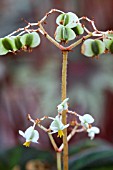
(69, 20)
(3, 50)
(92, 47)
(78, 29)
(18, 43)
(9, 44)
(64, 34)
(109, 44)
(30, 39)
(86, 48)
(98, 47)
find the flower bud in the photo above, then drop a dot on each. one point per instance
(30, 40)
(8, 43)
(66, 19)
(69, 20)
(86, 48)
(109, 44)
(3, 50)
(111, 47)
(78, 29)
(92, 47)
(18, 43)
(64, 34)
(98, 47)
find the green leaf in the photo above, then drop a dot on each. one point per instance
(90, 157)
(30, 40)
(86, 48)
(3, 51)
(21, 155)
(78, 29)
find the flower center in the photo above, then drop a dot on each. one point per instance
(27, 144)
(60, 133)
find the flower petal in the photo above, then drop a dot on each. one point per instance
(60, 18)
(27, 143)
(88, 118)
(60, 133)
(91, 135)
(94, 129)
(55, 123)
(73, 20)
(53, 126)
(35, 136)
(85, 124)
(28, 132)
(65, 100)
(65, 126)
(58, 33)
(81, 119)
(55, 131)
(21, 133)
(60, 108)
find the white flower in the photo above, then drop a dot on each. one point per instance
(85, 120)
(30, 135)
(92, 131)
(63, 106)
(58, 126)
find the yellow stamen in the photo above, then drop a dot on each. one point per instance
(60, 133)
(27, 144)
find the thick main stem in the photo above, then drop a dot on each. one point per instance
(59, 161)
(64, 119)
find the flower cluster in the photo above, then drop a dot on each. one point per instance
(32, 135)
(68, 27)
(56, 126)
(86, 120)
(15, 43)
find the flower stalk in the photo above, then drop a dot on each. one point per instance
(64, 119)
(59, 167)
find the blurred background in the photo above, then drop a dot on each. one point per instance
(30, 83)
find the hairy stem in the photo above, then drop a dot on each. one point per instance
(70, 136)
(64, 120)
(79, 41)
(50, 38)
(59, 167)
